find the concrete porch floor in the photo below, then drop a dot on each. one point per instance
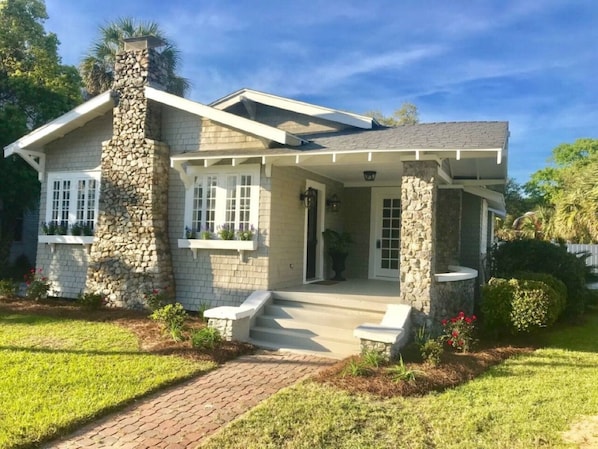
(374, 291)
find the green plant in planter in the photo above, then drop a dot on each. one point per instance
(62, 228)
(49, 228)
(87, 229)
(338, 248)
(226, 232)
(77, 229)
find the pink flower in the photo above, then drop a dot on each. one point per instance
(455, 333)
(444, 322)
(461, 315)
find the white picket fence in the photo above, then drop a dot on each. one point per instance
(592, 249)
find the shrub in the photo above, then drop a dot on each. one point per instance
(431, 351)
(206, 338)
(156, 298)
(556, 284)
(172, 319)
(538, 256)
(37, 284)
(92, 301)
(519, 305)
(203, 306)
(8, 288)
(458, 331)
(365, 364)
(374, 359)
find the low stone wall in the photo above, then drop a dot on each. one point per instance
(452, 298)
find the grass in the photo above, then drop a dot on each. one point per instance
(59, 373)
(526, 402)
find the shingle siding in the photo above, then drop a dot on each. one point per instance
(79, 150)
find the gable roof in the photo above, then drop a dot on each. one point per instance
(64, 124)
(226, 118)
(333, 115)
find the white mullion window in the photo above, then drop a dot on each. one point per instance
(72, 198)
(219, 197)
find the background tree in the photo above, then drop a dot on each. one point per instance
(569, 189)
(407, 114)
(34, 88)
(97, 69)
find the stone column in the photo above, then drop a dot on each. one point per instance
(131, 252)
(418, 234)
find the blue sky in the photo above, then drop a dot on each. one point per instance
(533, 63)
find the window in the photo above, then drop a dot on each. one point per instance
(73, 198)
(219, 197)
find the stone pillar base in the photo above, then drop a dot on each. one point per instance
(389, 350)
(232, 323)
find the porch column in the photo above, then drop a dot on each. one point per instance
(419, 192)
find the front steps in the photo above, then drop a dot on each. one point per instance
(316, 323)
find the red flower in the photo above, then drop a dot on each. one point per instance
(473, 317)
(453, 320)
(449, 342)
(444, 322)
(460, 342)
(461, 315)
(455, 333)
(468, 320)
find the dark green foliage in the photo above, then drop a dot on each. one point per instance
(519, 305)
(91, 301)
(8, 288)
(34, 88)
(431, 351)
(539, 256)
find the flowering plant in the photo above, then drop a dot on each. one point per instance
(246, 233)
(458, 331)
(189, 233)
(37, 284)
(226, 232)
(156, 298)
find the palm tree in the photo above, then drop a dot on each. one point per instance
(97, 69)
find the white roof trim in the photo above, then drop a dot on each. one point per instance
(225, 118)
(64, 124)
(496, 200)
(333, 115)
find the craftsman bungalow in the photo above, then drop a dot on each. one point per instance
(138, 176)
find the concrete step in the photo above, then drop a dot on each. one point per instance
(364, 303)
(309, 329)
(302, 341)
(324, 315)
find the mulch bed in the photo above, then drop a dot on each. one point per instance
(454, 369)
(151, 338)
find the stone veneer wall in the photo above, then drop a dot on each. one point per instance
(131, 253)
(450, 298)
(448, 229)
(418, 234)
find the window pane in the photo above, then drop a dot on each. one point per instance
(211, 186)
(245, 202)
(198, 202)
(231, 200)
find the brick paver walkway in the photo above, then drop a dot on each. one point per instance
(182, 416)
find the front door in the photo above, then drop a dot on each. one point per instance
(385, 248)
(312, 240)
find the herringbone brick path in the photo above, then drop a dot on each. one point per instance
(182, 416)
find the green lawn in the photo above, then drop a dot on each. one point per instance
(526, 402)
(57, 373)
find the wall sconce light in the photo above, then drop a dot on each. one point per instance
(369, 175)
(333, 203)
(309, 197)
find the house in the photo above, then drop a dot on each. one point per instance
(149, 171)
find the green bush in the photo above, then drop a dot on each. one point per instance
(519, 305)
(8, 288)
(431, 351)
(557, 285)
(91, 301)
(172, 319)
(206, 338)
(537, 256)
(156, 298)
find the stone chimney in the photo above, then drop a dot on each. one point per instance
(131, 253)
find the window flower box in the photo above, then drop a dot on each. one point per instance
(239, 245)
(53, 240)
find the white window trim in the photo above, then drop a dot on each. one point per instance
(216, 243)
(220, 172)
(73, 177)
